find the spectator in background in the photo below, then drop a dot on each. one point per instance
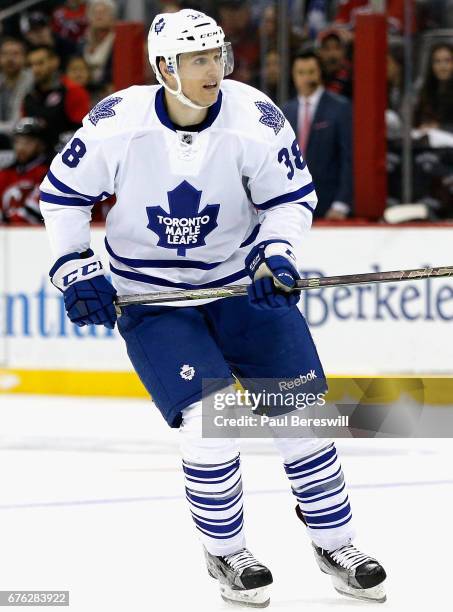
(235, 19)
(59, 102)
(323, 124)
(316, 17)
(393, 119)
(271, 73)
(78, 72)
(435, 105)
(432, 143)
(395, 91)
(19, 184)
(268, 28)
(268, 25)
(337, 69)
(70, 20)
(170, 7)
(98, 47)
(36, 30)
(395, 77)
(15, 82)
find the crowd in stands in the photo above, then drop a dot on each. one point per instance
(56, 63)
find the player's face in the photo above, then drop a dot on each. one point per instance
(306, 76)
(201, 73)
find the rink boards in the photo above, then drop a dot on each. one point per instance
(395, 329)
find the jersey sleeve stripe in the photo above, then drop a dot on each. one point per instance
(163, 282)
(307, 206)
(63, 200)
(287, 197)
(252, 236)
(69, 190)
(304, 204)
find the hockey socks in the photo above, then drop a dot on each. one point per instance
(214, 493)
(317, 481)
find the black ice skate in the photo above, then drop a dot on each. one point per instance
(242, 579)
(353, 573)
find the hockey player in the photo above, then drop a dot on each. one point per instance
(211, 189)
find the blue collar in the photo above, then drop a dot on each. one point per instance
(162, 114)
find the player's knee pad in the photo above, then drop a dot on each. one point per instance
(296, 448)
(204, 450)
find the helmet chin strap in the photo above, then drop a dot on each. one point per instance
(179, 93)
(188, 102)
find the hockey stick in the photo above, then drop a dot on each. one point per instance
(164, 297)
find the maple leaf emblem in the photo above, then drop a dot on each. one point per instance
(103, 110)
(185, 226)
(271, 116)
(187, 372)
(159, 25)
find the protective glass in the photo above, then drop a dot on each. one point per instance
(228, 58)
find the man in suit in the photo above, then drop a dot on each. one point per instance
(322, 122)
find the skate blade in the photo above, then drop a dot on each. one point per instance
(374, 594)
(253, 598)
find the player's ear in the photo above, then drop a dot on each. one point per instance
(162, 65)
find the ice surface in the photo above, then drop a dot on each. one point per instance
(92, 501)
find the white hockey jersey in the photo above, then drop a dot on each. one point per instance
(189, 205)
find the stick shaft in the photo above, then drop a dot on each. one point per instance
(167, 297)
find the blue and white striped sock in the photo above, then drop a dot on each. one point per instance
(318, 483)
(214, 493)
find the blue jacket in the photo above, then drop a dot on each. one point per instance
(329, 149)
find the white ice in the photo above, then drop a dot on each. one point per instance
(92, 501)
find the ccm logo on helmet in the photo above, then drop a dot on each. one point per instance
(81, 272)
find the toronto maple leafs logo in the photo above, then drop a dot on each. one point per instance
(187, 372)
(103, 110)
(271, 116)
(185, 226)
(159, 25)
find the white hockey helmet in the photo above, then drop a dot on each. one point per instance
(183, 32)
